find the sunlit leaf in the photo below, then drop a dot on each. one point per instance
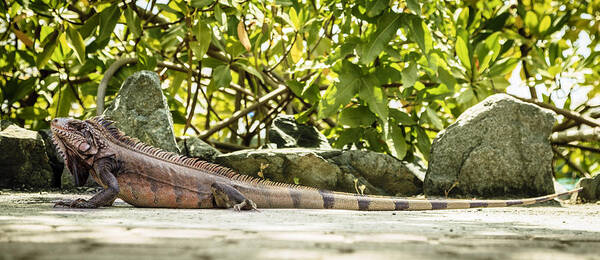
(462, 51)
(76, 42)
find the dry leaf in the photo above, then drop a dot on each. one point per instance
(243, 36)
(23, 37)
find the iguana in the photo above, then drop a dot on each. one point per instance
(144, 176)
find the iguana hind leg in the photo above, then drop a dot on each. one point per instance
(226, 196)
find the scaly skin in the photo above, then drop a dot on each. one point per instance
(145, 176)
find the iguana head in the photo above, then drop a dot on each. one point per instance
(78, 143)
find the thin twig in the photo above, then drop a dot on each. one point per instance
(566, 113)
(285, 54)
(581, 147)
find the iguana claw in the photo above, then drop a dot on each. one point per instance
(245, 205)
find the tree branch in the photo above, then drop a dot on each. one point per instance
(587, 134)
(566, 113)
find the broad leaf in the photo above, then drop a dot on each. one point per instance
(462, 51)
(387, 26)
(340, 93)
(108, 20)
(76, 42)
(133, 22)
(203, 36)
(409, 75)
(357, 117)
(221, 78)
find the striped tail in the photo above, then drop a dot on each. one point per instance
(335, 200)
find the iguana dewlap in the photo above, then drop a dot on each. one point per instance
(145, 176)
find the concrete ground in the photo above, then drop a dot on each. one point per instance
(31, 229)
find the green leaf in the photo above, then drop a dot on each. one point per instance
(446, 78)
(90, 25)
(52, 42)
(421, 34)
(503, 67)
(375, 7)
(414, 6)
(465, 96)
(16, 90)
(462, 51)
(434, 119)
(488, 50)
(348, 136)
(201, 3)
(462, 17)
(63, 100)
(387, 26)
(76, 42)
(108, 20)
(423, 142)
(545, 24)
(375, 98)
(531, 21)
(296, 87)
(220, 16)
(357, 117)
(32, 113)
(409, 75)
(401, 117)
(340, 93)
(133, 22)
(203, 36)
(221, 78)
(296, 22)
(250, 69)
(396, 142)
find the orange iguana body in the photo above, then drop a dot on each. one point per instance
(145, 176)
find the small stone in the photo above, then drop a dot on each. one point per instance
(285, 132)
(591, 189)
(192, 146)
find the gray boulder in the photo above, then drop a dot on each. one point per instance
(496, 148)
(337, 170)
(55, 160)
(591, 189)
(140, 110)
(23, 158)
(285, 132)
(192, 146)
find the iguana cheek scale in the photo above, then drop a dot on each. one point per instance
(144, 176)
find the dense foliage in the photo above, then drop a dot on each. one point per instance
(377, 74)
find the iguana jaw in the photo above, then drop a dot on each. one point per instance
(73, 145)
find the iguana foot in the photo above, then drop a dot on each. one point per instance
(78, 203)
(245, 205)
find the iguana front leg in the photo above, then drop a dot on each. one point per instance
(226, 196)
(104, 168)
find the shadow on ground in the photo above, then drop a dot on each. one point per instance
(31, 229)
